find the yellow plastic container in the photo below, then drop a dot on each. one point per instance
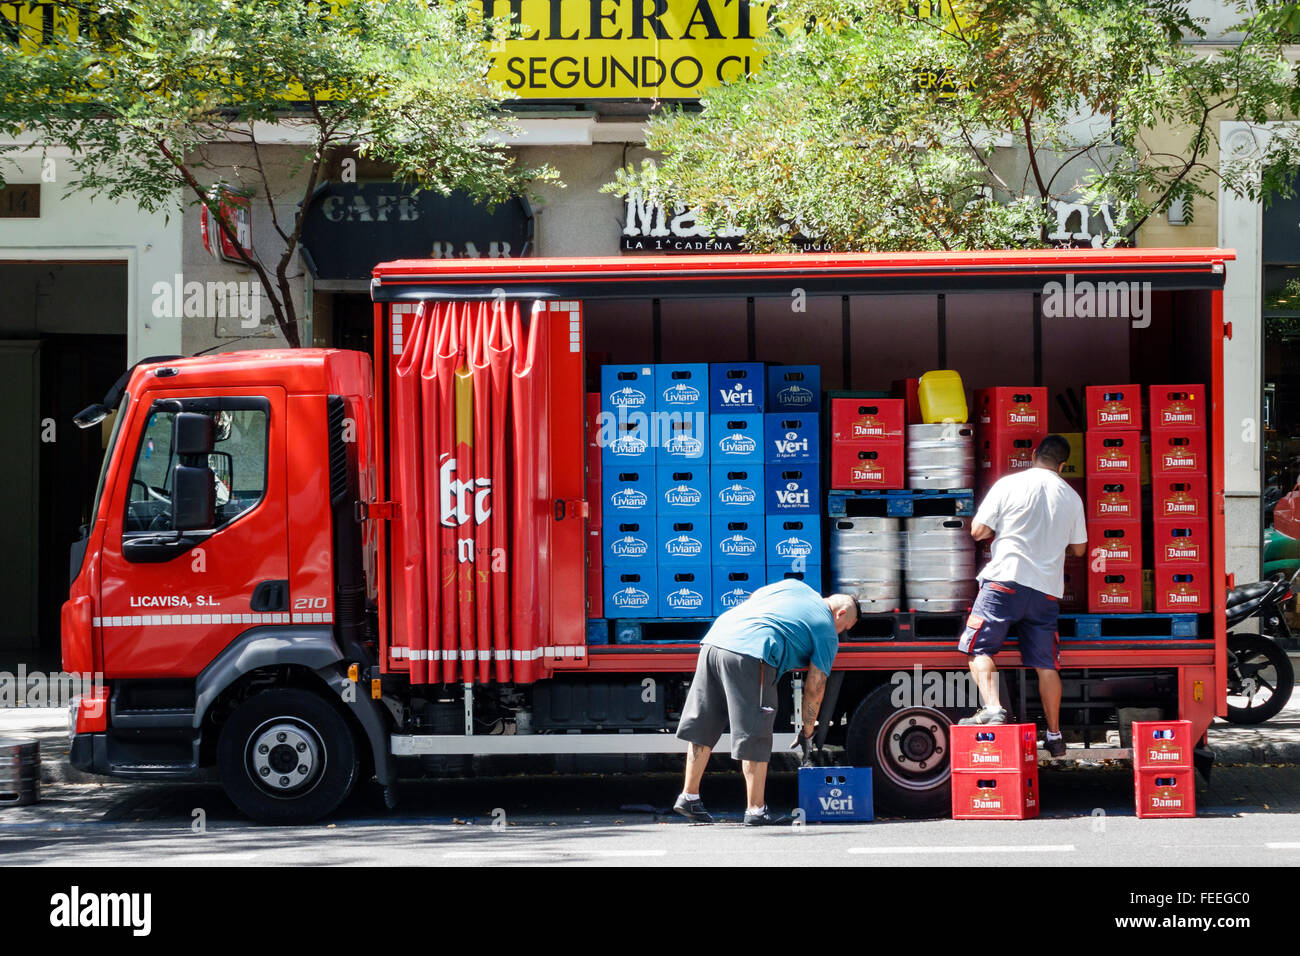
(942, 397)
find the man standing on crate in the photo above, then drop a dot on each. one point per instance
(1034, 518)
(781, 627)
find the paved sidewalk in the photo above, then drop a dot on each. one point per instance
(1276, 741)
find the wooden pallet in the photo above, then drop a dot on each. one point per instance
(899, 503)
(1129, 627)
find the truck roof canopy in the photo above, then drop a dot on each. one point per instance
(1026, 270)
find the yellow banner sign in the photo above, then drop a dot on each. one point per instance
(622, 49)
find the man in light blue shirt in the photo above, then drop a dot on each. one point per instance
(781, 627)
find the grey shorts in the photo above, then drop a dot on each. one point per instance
(730, 689)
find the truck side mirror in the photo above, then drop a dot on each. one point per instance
(192, 434)
(194, 497)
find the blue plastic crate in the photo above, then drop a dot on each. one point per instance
(737, 387)
(835, 794)
(795, 388)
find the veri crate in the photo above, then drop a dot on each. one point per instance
(1008, 408)
(682, 437)
(736, 439)
(1177, 452)
(1165, 793)
(997, 747)
(1115, 590)
(793, 488)
(1119, 542)
(995, 795)
(1184, 588)
(1181, 543)
(791, 437)
(1113, 453)
(836, 794)
(857, 465)
(942, 397)
(632, 591)
(682, 490)
(685, 592)
(1178, 406)
(737, 540)
(811, 575)
(1113, 407)
(683, 541)
(737, 387)
(630, 388)
(736, 489)
(733, 584)
(630, 541)
(869, 420)
(1114, 498)
(1184, 497)
(682, 388)
(790, 538)
(627, 493)
(1162, 744)
(630, 442)
(794, 388)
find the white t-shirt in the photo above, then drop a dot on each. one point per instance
(1035, 514)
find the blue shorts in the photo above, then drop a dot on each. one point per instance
(997, 607)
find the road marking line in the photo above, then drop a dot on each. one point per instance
(1046, 848)
(1283, 846)
(507, 854)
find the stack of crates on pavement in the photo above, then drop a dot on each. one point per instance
(994, 771)
(1164, 783)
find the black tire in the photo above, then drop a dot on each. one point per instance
(292, 725)
(1262, 660)
(907, 751)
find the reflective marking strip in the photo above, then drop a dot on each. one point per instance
(176, 620)
(412, 654)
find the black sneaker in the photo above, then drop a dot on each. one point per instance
(984, 716)
(1054, 748)
(692, 810)
(763, 818)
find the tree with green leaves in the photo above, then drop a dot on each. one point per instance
(893, 124)
(150, 96)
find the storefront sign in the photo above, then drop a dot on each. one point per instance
(349, 227)
(621, 49)
(652, 227)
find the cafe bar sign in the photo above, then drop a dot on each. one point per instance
(652, 227)
(623, 49)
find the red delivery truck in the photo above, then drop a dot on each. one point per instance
(306, 568)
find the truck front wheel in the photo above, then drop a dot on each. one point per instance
(287, 756)
(906, 748)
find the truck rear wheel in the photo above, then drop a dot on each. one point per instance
(907, 751)
(287, 756)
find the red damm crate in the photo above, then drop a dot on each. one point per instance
(1011, 408)
(1112, 453)
(1114, 498)
(1115, 590)
(1119, 542)
(1184, 588)
(1179, 497)
(1162, 744)
(867, 465)
(874, 420)
(1075, 595)
(1002, 452)
(1181, 543)
(995, 794)
(908, 390)
(1114, 407)
(1178, 452)
(1178, 406)
(1165, 793)
(997, 747)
